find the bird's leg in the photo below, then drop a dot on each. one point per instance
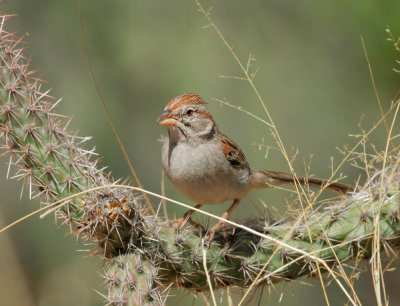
(220, 223)
(187, 217)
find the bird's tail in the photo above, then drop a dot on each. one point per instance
(265, 178)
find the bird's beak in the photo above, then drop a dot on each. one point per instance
(166, 118)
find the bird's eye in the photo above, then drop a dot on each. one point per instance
(189, 112)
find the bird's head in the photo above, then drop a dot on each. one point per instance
(187, 115)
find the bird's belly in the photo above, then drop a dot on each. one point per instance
(206, 189)
(203, 175)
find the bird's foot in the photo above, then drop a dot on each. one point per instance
(220, 224)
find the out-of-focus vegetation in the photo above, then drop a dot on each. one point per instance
(312, 75)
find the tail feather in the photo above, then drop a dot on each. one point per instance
(266, 178)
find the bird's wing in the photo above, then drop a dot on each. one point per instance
(233, 154)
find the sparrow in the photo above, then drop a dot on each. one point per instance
(208, 167)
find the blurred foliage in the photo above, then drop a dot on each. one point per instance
(312, 75)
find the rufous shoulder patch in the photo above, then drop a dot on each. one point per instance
(233, 153)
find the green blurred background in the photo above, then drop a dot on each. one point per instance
(312, 75)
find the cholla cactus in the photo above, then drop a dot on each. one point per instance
(53, 164)
(145, 255)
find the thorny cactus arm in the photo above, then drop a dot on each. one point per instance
(50, 159)
(145, 255)
(53, 164)
(348, 226)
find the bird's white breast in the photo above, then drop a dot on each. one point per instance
(202, 172)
